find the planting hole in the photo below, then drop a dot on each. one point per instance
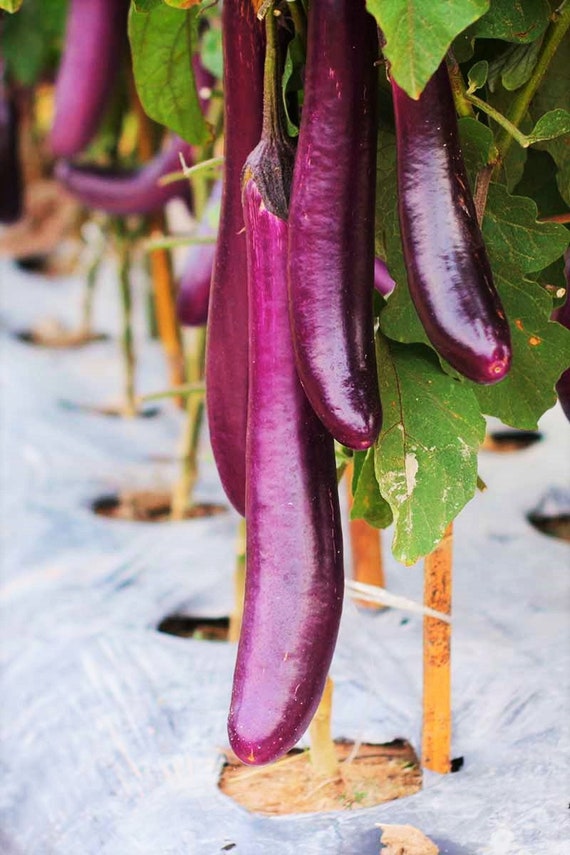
(504, 441)
(200, 628)
(53, 334)
(148, 506)
(552, 514)
(369, 775)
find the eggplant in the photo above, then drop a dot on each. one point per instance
(11, 184)
(449, 274)
(227, 336)
(331, 222)
(194, 288)
(294, 574)
(95, 36)
(383, 282)
(123, 192)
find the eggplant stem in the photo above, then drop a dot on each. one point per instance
(560, 21)
(182, 495)
(323, 753)
(239, 584)
(299, 17)
(436, 730)
(127, 338)
(366, 549)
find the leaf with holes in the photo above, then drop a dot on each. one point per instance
(163, 42)
(418, 35)
(425, 459)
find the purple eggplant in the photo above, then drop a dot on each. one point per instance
(449, 274)
(331, 222)
(294, 578)
(95, 37)
(194, 288)
(383, 282)
(123, 192)
(11, 185)
(227, 340)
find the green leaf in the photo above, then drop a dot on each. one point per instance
(368, 503)
(418, 34)
(554, 92)
(10, 5)
(146, 5)
(477, 75)
(513, 22)
(293, 80)
(30, 41)
(515, 66)
(426, 456)
(212, 58)
(555, 123)
(163, 42)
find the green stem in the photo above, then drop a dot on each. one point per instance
(299, 17)
(519, 106)
(462, 105)
(511, 130)
(127, 338)
(86, 325)
(182, 495)
(273, 119)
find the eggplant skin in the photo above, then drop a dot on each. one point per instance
(449, 274)
(227, 337)
(383, 282)
(124, 192)
(194, 287)
(11, 185)
(331, 223)
(294, 579)
(95, 36)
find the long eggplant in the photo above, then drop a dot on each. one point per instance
(227, 338)
(123, 192)
(95, 36)
(294, 574)
(11, 185)
(449, 274)
(194, 287)
(383, 282)
(331, 222)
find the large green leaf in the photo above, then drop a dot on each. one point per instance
(10, 5)
(425, 459)
(163, 42)
(513, 21)
(419, 32)
(30, 41)
(368, 503)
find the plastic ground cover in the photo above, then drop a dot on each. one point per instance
(112, 732)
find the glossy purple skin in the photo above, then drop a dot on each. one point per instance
(383, 282)
(331, 223)
(11, 190)
(227, 339)
(448, 269)
(95, 37)
(194, 288)
(129, 192)
(295, 579)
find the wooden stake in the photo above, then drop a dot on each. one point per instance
(366, 548)
(323, 752)
(436, 736)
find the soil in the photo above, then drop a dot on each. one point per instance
(148, 506)
(202, 628)
(554, 526)
(369, 775)
(505, 441)
(53, 334)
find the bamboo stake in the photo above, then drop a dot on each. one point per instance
(323, 753)
(436, 736)
(239, 584)
(366, 549)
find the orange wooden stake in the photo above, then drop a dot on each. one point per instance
(323, 752)
(436, 736)
(366, 548)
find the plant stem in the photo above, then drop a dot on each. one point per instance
(127, 339)
(299, 17)
(182, 497)
(323, 752)
(462, 104)
(239, 584)
(436, 735)
(366, 548)
(519, 106)
(508, 127)
(86, 323)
